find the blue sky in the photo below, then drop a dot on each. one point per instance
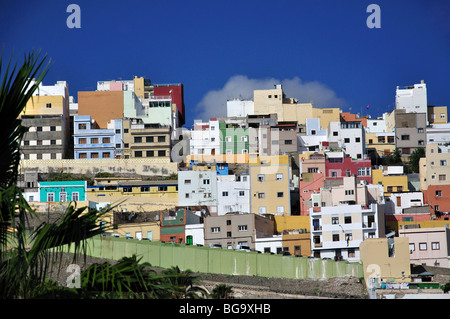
(320, 50)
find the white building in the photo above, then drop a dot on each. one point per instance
(205, 138)
(399, 201)
(413, 99)
(198, 188)
(377, 125)
(438, 133)
(195, 234)
(273, 244)
(233, 194)
(240, 108)
(350, 136)
(337, 231)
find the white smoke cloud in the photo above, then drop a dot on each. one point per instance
(214, 102)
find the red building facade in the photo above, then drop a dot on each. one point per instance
(339, 167)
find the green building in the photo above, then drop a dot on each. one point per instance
(234, 139)
(62, 191)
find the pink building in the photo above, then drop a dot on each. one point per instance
(308, 185)
(339, 167)
(428, 246)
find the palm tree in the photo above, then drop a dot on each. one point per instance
(185, 283)
(28, 256)
(24, 268)
(222, 291)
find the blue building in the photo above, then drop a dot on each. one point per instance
(92, 142)
(62, 191)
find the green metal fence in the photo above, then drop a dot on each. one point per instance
(221, 261)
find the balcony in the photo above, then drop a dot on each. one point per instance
(367, 225)
(318, 245)
(317, 228)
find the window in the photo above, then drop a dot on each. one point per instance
(351, 253)
(162, 188)
(313, 170)
(75, 196)
(279, 177)
(405, 137)
(288, 142)
(435, 246)
(420, 130)
(82, 126)
(227, 138)
(48, 105)
(106, 140)
(52, 142)
(94, 155)
(261, 177)
(50, 197)
(215, 229)
(443, 162)
(442, 115)
(242, 227)
(280, 209)
(261, 195)
(335, 133)
(149, 139)
(145, 189)
(82, 141)
(207, 195)
(348, 236)
(381, 139)
(420, 142)
(349, 192)
(150, 153)
(161, 139)
(280, 194)
(262, 210)
(187, 182)
(334, 220)
(406, 150)
(335, 237)
(63, 197)
(161, 153)
(225, 194)
(334, 174)
(411, 248)
(442, 177)
(346, 140)
(138, 154)
(438, 193)
(82, 155)
(422, 246)
(358, 140)
(206, 182)
(186, 195)
(138, 139)
(244, 138)
(52, 128)
(348, 219)
(241, 193)
(94, 140)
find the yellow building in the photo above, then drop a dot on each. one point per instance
(269, 185)
(382, 142)
(385, 260)
(437, 114)
(295, 234)
(393, 181)
(288, 109)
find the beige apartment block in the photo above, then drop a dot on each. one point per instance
(435, 168)
(270, 185)
(234, 229)
(145, 140)
(437, 114)
(385, 259)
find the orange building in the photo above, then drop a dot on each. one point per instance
(350, 117)
(438, 199)
(102, 106)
